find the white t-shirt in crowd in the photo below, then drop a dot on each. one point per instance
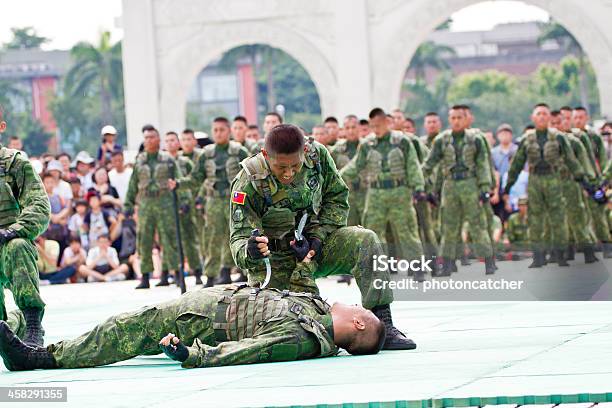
(63, 190)
(120, 181)
(95, 252)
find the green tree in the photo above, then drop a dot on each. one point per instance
(429, 55)
(25, 38)
(556, 32)
(97, 70)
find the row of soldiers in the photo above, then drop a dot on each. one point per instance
(421, 195)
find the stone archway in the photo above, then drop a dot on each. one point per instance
(403, 39)
(181, 64)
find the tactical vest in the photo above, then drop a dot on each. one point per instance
(279, 221)
(238, 316)
(9, 206)
(546, 159)
(232, 165)
(341, 154)
(465, 160)
(394, 161)
(154, 183)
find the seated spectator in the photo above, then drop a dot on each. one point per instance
(102, 264)
(83, 164)
(74, 255)
(77, 189)
(120, 175)
(126, 243)
(65, 160)
(97, 221)
(108, 194)
(76, 222)
(62, 187)
(48, 254)
(58, 225)
(108, 146)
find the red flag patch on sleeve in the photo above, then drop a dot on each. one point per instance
(238, 197)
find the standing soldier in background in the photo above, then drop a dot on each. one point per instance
(517, 231)
(24, 209)
(433, 126)
(239, 134)
(463, 164)
(319, 132)
(190, 150)
(253, 134)
(595, 147)
(189, 232)
(333, 130)
(393, 172)
(424, 217)
(150, 189)
(364, 128)
(576, 210)
(342, 152)
(215, 169)
(546, 151)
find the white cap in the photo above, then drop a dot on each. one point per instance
(108, 130)
(55, 165)
(82, 157)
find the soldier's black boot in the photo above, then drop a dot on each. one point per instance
(163, 281)
(198, 275)
(560, 257)
(345, 279)
(453, 265)
(589, 254)
(490, 266)
(538, 259)
(241, 276)
(395, 339)
(465, 260)
(19, 356)
(571, 253)
(210, 282)
(224, 277)
(144, 282)
(34, 332)
(607, 250)
(447, 268)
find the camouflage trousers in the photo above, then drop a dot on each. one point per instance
(599, 220)
(576, 213)
(189, 240)
(426, 228)
(131, 334)
(157, 216)
(356, 203)
(393, 209)
(346, 251)
(217, 248)
(460, 203)
(546, 205)
(19, 274)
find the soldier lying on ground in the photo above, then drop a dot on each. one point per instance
(226, 325)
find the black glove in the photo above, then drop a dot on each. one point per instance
(184, 208)
(128, 212)
(199, 202)
(317, 246)
(587, 187)
(419, 196)
(177, 352)
(433, 199)
(300, 249)
(6, 235)
(484, 197)
(252, 249)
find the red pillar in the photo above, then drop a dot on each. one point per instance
(247, 92)
(43, 89)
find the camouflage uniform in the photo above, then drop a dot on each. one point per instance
(517, 232)
(187, 219)
(148, 188)
(24, 208)
(393, 172)
(545, 152)
(464, 167)
(198, 195)
(225, 325)
(214, 170)
(342, 153)
(252, 146)
(276, 208)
